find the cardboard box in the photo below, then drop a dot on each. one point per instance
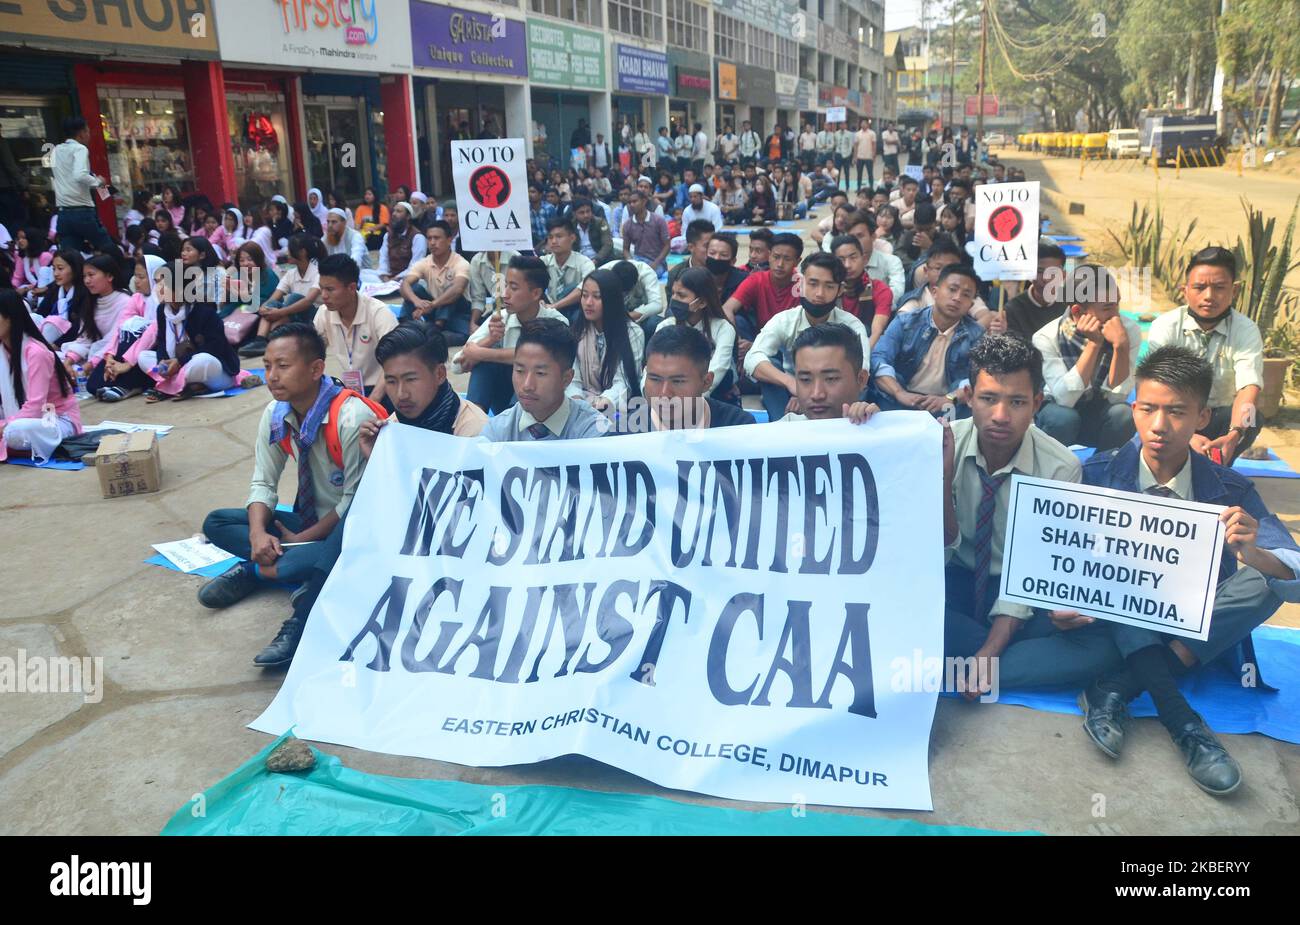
(128, 464)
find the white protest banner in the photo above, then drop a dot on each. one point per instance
(915, 171)
(836, 114)
(1138, 559)
(710, 609)
(1006, 230)
(492, 194)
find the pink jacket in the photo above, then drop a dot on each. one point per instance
(43, 385)
(20, 278)
(220, 239)
(133, 309)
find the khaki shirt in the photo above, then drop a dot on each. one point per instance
(354, 347)
(334, 488)
(438, 279)
(1233, 348)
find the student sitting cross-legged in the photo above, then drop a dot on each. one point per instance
(1259, 568)
(921, 361)
(317, 422)
(830, 375)
(489, 354)
(542, 371)
(996, 442)
(1088, 359)
(677, 384)
(413, 358)
(611, 346)
(823, 283)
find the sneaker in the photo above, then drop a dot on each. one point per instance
(254, 348)
(230, 588)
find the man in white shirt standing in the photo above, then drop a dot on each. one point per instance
(843, 151)
(701, 149)
(825, 144)
(864, 152)
(79, 224)
(807, 146)
(750, 145)
(727, 145)
(889, 142)
(1089, 355)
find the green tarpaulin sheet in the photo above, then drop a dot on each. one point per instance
(331, 799)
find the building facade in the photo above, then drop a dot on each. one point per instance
(240, 100)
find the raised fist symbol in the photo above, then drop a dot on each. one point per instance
(490, 187)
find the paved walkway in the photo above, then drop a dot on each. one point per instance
(181, 686)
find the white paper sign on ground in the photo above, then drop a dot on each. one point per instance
(192, 554)
(714, 610)
(1006, 230)
(1130, 558)
(492, 194)
(161, 430)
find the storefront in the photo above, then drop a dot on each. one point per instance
(640, 85)
(566, 71)
(787, 101)
(321, 118)
(756, 87)
(692, 89)
(156, 125)
(725, 109)
(470, 83)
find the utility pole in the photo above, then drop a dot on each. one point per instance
(984, 46)
(952, 64)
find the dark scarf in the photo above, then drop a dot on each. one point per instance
(441, 413)
(1071, 343)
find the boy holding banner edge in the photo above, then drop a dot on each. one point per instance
(1260, 566)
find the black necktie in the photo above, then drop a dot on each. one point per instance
(539, 431)
(1161, 491)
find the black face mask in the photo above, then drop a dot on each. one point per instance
(717, 266)
(816, 310)
(679, 309)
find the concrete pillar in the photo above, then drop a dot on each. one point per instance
(602, 120)
(399, 129)
(205, 107)
(658, 114)
(519, 115)
(433, 128)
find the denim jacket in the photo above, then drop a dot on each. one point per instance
(900, 350)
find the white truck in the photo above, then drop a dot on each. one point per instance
(1123, 142)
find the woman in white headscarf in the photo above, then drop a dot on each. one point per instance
(316, 202)
(233, 221)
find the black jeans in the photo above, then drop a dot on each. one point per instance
(80, 226)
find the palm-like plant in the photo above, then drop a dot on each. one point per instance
(1144, 244)
(1263, 266)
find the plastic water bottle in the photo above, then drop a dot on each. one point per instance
(82, 391)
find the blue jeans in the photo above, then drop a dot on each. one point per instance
(1095, 422)
(80, 226)
(306, 315)
(491, 387)
(228, 528)
(453, 317)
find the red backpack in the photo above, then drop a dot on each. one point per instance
(332, 442)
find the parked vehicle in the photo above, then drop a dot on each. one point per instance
(1165, 136)
(1123, 142)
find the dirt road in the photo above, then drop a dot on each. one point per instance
(1211, 195)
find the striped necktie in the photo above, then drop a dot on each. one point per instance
(1161, 491)
(539, 431)
(304, 505)
(984, 536)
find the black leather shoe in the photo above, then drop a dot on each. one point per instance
(280, 651)
(230, 588)
(1208, 762)
(1105, 717)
